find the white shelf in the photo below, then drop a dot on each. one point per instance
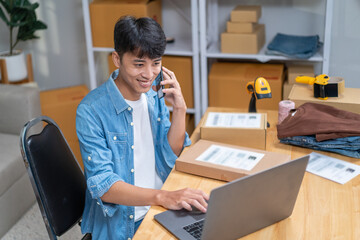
(180, 47)
(289, 17)
(214, 52)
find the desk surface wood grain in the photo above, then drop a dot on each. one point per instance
(323, 210)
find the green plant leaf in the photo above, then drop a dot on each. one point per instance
(5, 4)
(3, 17)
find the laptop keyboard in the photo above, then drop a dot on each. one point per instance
(195, 229)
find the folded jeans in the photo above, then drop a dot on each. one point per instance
(348, 146)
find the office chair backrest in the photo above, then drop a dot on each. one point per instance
(56, 177)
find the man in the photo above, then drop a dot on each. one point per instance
(127, 143)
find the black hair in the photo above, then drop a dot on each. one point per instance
(140, 36)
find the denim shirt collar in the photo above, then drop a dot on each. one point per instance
(117, 98)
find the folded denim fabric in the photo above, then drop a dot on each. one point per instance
(294, 46)
(348, 146)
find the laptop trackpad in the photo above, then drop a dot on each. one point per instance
(175, 218)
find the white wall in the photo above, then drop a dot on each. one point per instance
(345, 42)
(59, 56)
(60, 60)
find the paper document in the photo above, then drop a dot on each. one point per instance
(230, 157)
(331, 168)
(240, 120)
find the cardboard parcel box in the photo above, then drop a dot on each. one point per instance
(105, 13)
(60, 105)
(241, 129)
(227, 84)
(246, 43)
(246, 13)
(226, 162)
(349, 100)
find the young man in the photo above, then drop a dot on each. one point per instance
(127, 143)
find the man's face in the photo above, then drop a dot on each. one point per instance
(136, 75)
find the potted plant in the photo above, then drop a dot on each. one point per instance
(20, 17)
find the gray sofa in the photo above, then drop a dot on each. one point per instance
(18, 104)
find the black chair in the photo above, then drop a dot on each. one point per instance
(56, 177)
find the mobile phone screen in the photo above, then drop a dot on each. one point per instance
(159, 87)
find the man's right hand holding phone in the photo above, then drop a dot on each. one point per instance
(173, 94)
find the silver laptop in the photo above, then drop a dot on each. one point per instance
(242, 206)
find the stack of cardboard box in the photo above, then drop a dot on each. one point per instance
(244, 34)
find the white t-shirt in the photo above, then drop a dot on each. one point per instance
(144, 155)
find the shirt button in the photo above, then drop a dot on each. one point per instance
(129, 238)
(158, 119)
(132, 124)
(129, 108)
(131, 216)
(132, 170)
(114, 138)
(132, 147)
(89, 158)
(98, 203)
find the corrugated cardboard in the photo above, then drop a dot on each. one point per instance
(182, 67)
(245, 137)
(240, 27)
(105, 13)
(227, 84)
(244, 13)
(286, 90)
(246, 43)
(187, 163)
(61, 105)
(299, 70)
(348, 101)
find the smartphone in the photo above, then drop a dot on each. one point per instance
(159, 87)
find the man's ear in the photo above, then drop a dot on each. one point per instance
(116, 59)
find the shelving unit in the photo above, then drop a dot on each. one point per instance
(186, 43)
(290, 17)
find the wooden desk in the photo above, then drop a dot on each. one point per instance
(323, 210)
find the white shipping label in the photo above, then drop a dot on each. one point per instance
(331, 168)
(240, 120)
(230, 157)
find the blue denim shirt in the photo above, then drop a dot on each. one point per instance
(105, 132)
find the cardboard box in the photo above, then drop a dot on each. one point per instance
(227, 84)
(348, 101)
(244, 13)
(239, 27)
(246, 43)
(299, 70)
(245, 137)
(182, 67)
(187, 163)
(286, 90)
(105, 13)
(61, 105)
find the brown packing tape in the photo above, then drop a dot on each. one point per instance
(340, 82)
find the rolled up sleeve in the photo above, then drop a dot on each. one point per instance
(96, 156)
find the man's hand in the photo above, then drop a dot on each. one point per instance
(173, 94)
(184, 198)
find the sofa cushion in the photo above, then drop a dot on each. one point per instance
(11, 163)
(18, 105)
